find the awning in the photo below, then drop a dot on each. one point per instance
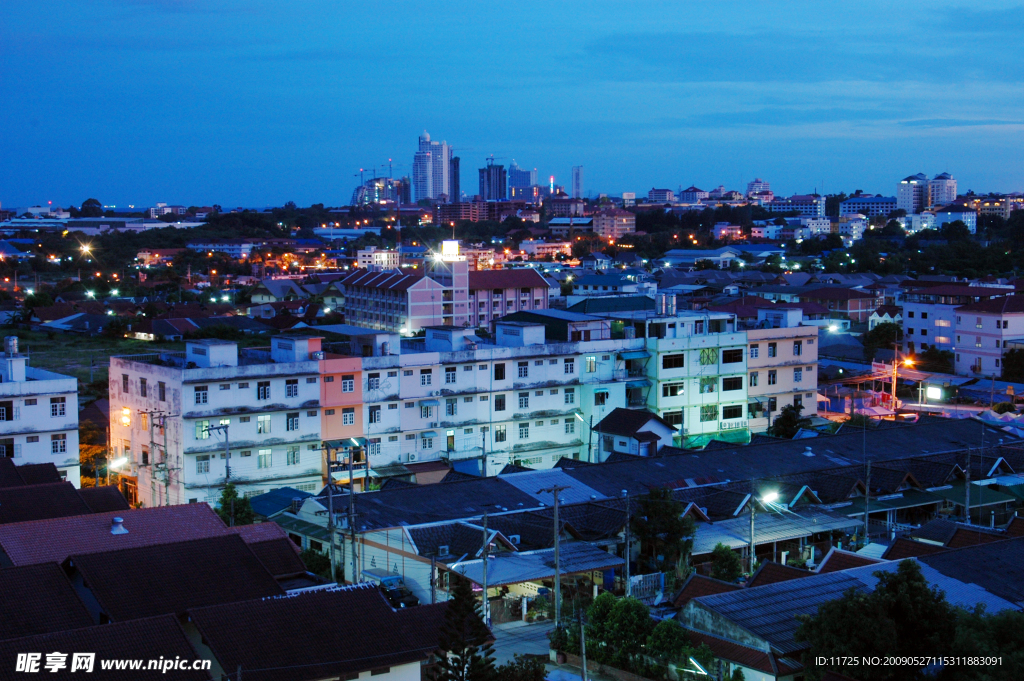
(980, 495)
(534, 566)
(638, 383)
(428, 433)
(875, 411)
(358, 474)
(635, 354)
(429, 403)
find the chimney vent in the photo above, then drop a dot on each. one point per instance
(808, 452)
(117, 526)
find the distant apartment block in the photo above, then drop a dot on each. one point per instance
(521, 178)
(941, 190)
(929, 313)
(431, 170)
(723, 230)
(614, 223)
(661, 196)
(692, 195)
(493, 182)
(161, 209)
(805, 205)
(954, 213)
(577, 182)
(758, 186)
(372, 257)
(868, 206)
(544, 249)
(984, 331)
(912, 193)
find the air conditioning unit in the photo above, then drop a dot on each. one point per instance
(514, 538)
(412, 457)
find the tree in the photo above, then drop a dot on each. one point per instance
(665, 536)
(725, 564)
(668, 641)
(955, 231)
(465, 644)
(988, 635)
(232, 504)
(522, 668)
(789, 421)
(628, 627)
(1013, 365)
(317, 563)
(38, 299)
(882, 336)
(91, 208)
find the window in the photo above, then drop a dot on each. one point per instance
(910, 314)
(373, 381)
(292, 421)
(202, 430)
(57, 406)
(798, 348)
(482, 367)
(569, 366)
(524, 400)
(773, 377)
(924, 332)
(264, 458)
(910, 332)
(754, 350)
(124, 383)
(499, 403)
(600, 399)
(311, 379)
(312, 412)
(499, 433)
(59, 443)
(708, 384)
(161, 389)
(798, 375)
(708, 356)
(142, 388)
(32, 438)
(328, 412)
(223, 386)
(203, 464)
(977, 324)
(591, 364)
(451, 407)
(732, 356)
(348, 416)
(570, 396)
(467, 367)
(292, 456)
(709, 412)
(673, 418)
(772, 404)
(202, 394)
(450, 375)
(375, 414)
(524, 431)
(244, 419)
(410, 405)
(263, 424)
(426, 376)
(410, 436)
(773, 349)
(30, 402)
(144, 421)
(243, 386)
(673, 361)
(291, 387)
(753, 379)
(524, 369)
(570, 426)
(732, 412)
(393, 405)
(426, 443)
(732, 383)
(425, 412)
(673, 389)
(1005, 323)
(328, 379)
(924, 315)
(263, 390)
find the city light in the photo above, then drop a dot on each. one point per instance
(91, 294)
(118, 462)
(113, 291)
(126, 417)
(770, 497)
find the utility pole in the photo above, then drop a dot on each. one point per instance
(583, 645)
(867, 503)
(331, 527)
(752, 551)
(629, 540)
(227, 461)
(486, 609)
(352, 453)
(590, 439)
(967, 489)
(895, 364)
(555, 490)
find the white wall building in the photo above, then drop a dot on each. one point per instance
(941, 190)
(782, 366)
(912, 193)
(372, 257)
(161, 407)
(38, 414)
(983, 333)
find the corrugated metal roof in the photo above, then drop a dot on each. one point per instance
(529, 566)
(530, 482)
(768, 528)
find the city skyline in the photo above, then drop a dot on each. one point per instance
(251, 104)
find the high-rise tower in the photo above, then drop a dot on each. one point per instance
(577, 182)
(431, 169)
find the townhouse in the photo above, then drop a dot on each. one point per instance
(984, 331)
(163, 406)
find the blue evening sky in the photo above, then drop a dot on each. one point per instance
(258, 102)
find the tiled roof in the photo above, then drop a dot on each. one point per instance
(144, 639)
(38, 599)
(699, 585)
(835, 294)
(837, 559)
(275, 501)
(39, 473)
(627, 422)
(965, 536)
(1002, 305)
(259, 532)
(772, 573)
(519, 278)
(380, 637)
(751, 658)
(171, 578)
(103, 499)
(908, 548)
(37, 502)
(53, 540)
(996, 567)
(280, 557)
(391, 280)
(1016, 527)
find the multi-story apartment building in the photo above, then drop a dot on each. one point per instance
(38, 414)
(757, 186)
(543, 249)
(496, 293)
(661, 196)
(614, 223)
(941, 190)
(692, 195)
(912, 193)
(984, 331)
(375, 258)
(782, 366)
(163, 406)
(929, 313)
(431, 169)
(805, 205)
(868, 206)
(949, 214)
(853, 304)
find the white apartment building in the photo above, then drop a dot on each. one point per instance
(941, 190)
(482, 406)
(38, 414)
(912, 193)
(929, 314)
(372, 257)
(819, 226)
(782, 366)
(851, 228)
(614, 223)
(162, 407)
(984, 331)
(543, 249)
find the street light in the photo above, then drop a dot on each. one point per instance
(767, 498)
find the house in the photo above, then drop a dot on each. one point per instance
(275, 290)
(885, 314)
(596, 261)
(984, 331)
(633, 431)
(856, 305)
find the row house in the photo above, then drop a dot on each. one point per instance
(164, 407)
(984, 331)
(929, 313)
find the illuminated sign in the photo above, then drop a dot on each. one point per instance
(450, 251)
(934, 393)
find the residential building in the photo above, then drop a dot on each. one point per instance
(886, 314)
(953, 213)
(521, 178)
(161, 209)
(985, 329)
(782, 366)
(341, 386)
(628, 199)
(392, 300)
(661, 196)
(723, 230)
(163, 406)
(373, 258)
(692, 195)
(562, 227)
(240, 249)
(606, 285)
(766, 231)
(637, 432)
(493, 182)
(758, 186)
(544, 249)
(805, 205)
(614, 223)
(851, 228)
(496, 293)
(912, 193)
(868, 205)
(564, 206)
(929, 313)
(941, 190)
(381, 190)
(762, 198)
(577, 182)
(680, 257)
(998, 206)
(820, 226)
(38, 415)
(431, 170)
(853, 304)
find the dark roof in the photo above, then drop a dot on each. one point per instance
(276, 500)
(458, 476)
(519, 278)
(745, 656)
(996, 567)
(9, 475)
(38, 599)
(908, 548)
(1002, 305)
(378, 638)
(39, 473)
(600, 304)
(772, 573)
(1015, 528)
(144, 639)
(936, 530)
(103, 499)
(837, 559)
(969, 536)
(836, 294)
(699, 585)
(627, 422)
(392, 280)
(37, 502)
(171, 578)
(279, 556)
(513, 468)
(460, 538)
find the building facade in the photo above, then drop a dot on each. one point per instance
(431, 169)
(912, 193)
(941, 190)
(868, 206)
(984, 331)
(805, 205)
(782, 367)
(493, 182)
(614, 223)
(372, 257)
(929, 314)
